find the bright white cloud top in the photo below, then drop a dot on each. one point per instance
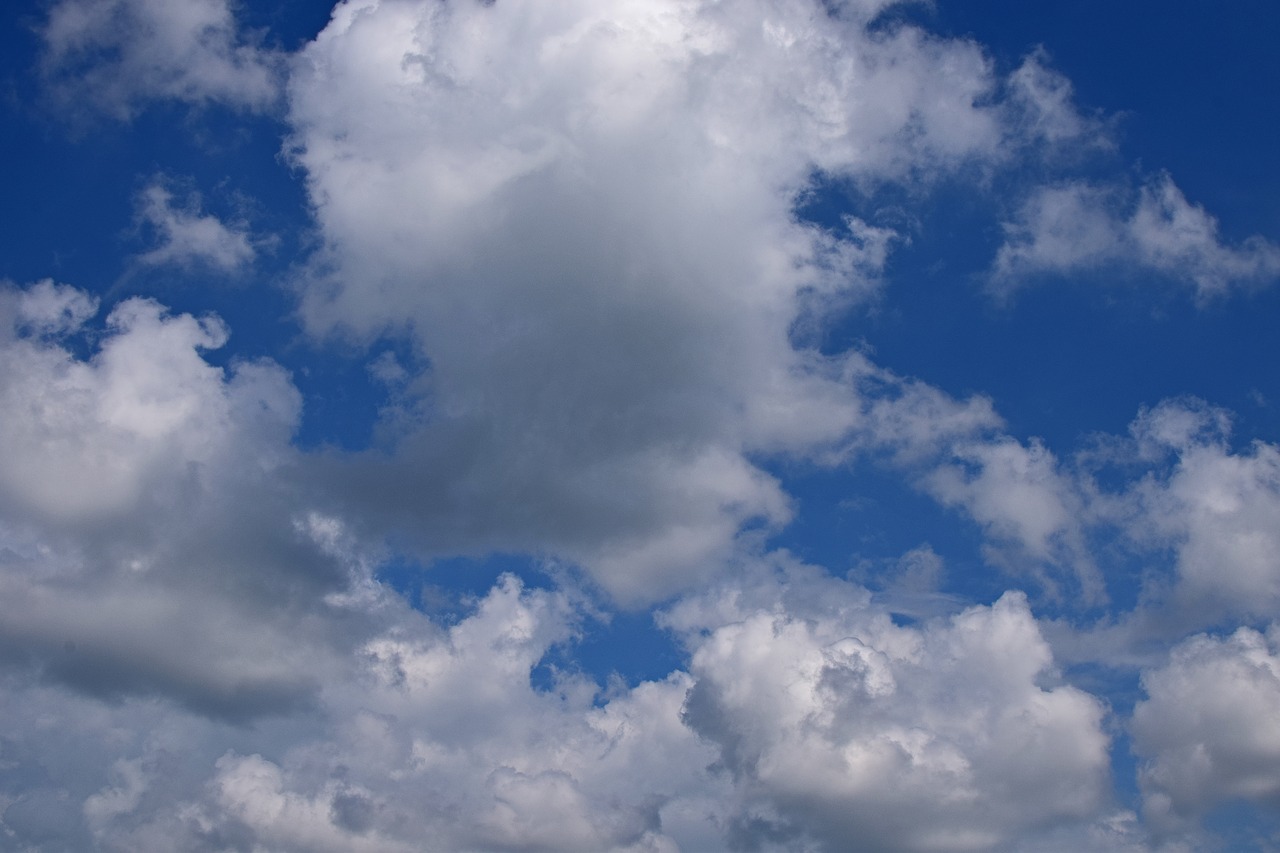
(476, 426)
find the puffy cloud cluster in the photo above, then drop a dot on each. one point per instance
(1215, 509)
(807, 717)
(583, 218)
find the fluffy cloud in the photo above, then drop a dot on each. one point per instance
(1206, 731)
(115, 55)
(584, 218)
(146, 523)
(1217, 510)
(437, 734)
(1082, 228)
(835, 723)
(88, 438)
(806, 716)
(186, 235)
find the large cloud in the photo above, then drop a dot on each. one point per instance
(807, 717)
(584, 217)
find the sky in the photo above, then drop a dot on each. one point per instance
(646, 425)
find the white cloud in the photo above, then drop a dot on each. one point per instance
(1030, 509)
(1042, 101)
(145, 524)
(186, 235)
(87, 437)
(583, 217)
(1218, 510)
(835, 723)
(1079, 228)
(804, 704)
(438, 734)
(115, 55)
(1206, 733)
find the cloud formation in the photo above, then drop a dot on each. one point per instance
(1204, 731)
(114, 56)
(585, 220)
(1079, 228)
(186, 235)
(589, 240)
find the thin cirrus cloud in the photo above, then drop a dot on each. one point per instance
(575, 233)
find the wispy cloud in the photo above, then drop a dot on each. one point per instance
(1080, 228)
(114, 56)
(185, 235)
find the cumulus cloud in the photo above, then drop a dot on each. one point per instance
(1031, 510)
(88, 437)
(1206, 731)
(806, 716)
(437, 734)
(114, 56)
(185, 235)
(1216, 509)
(1079, 228)
(145, 520)
(584, 218)
(835, 723)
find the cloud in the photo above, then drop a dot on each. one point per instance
(584, 219)
(1041, 101)
(187, 236)
(114, 56)
(1030, 510)
(1218, 510)
(1206, 732)
(835, 723)
(88, 437)
(1078, 228)
(146, 518)
(572, 231)
(440, 734)
(805, 714)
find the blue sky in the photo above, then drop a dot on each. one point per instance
(671, 425)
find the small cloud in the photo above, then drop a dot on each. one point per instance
(186, 235)
(113, 56)
(1042, 107)
(1078, 227)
